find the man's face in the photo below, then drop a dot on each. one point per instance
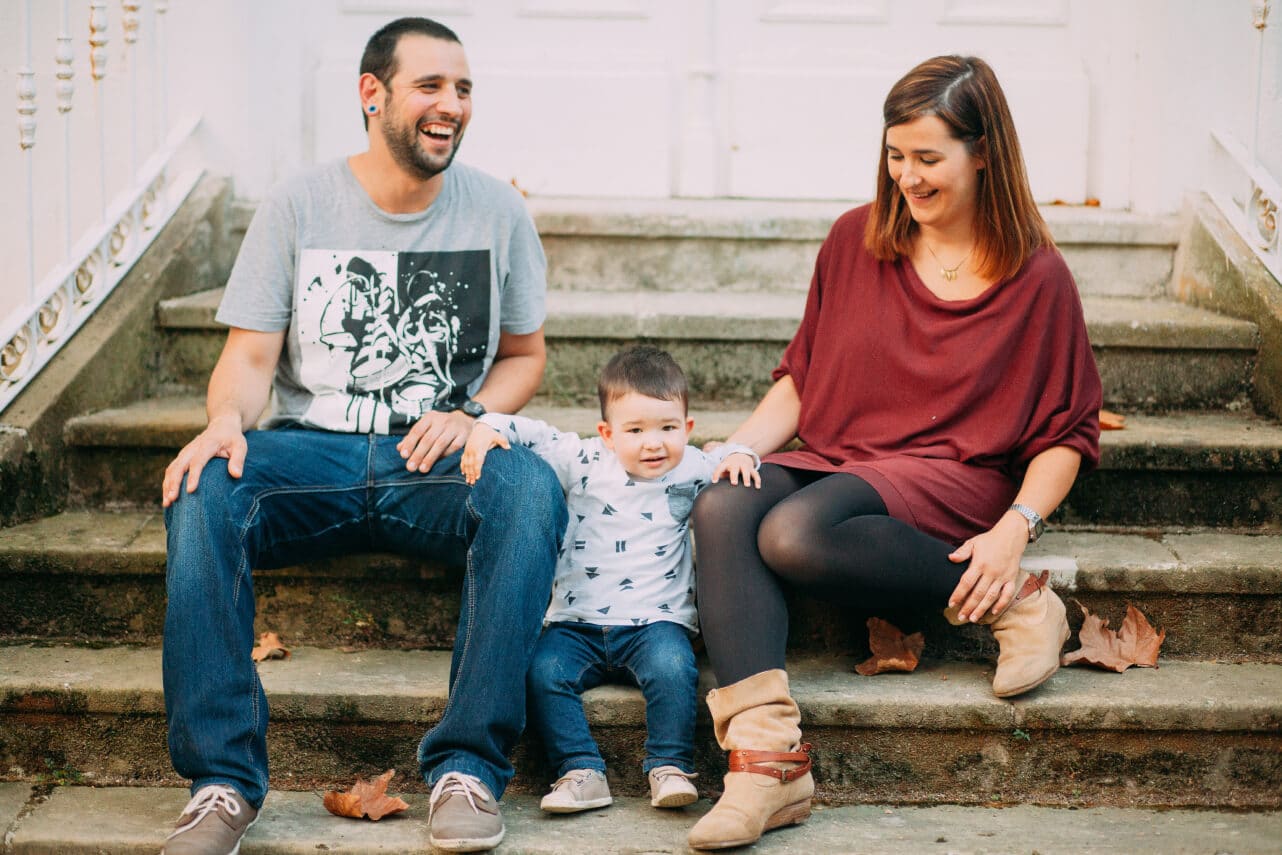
(427, 105)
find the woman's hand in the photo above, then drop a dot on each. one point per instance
(989, 583)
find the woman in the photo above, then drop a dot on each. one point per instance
(944, 391)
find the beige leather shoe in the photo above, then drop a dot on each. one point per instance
(1030, 634)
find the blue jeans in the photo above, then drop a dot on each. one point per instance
(311, 494)
(574, 657)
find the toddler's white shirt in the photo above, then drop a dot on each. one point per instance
(625, 559)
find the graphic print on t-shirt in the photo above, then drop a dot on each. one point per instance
(385, 337)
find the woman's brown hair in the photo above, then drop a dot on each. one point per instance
(964, 93)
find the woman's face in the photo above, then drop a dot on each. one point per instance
(937, 175)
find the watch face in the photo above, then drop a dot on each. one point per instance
(1038, 527)
(473, 408)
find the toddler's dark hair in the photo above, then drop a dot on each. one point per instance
(646, 369)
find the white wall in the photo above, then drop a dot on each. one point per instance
(1114, 100)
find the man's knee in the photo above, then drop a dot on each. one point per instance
(208, 503)
(519, 483)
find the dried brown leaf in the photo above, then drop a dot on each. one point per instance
(365, 798)
(269, 647)
(1091, 202)
(891, 649)
(1135, 644)
(1109, 420)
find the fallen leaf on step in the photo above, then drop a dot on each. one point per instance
(891, 649)
(365, 798)
(269, 647)
(1109, 420)
(1135, 644)
(1091, 202)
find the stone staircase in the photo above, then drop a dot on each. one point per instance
(1183, 519)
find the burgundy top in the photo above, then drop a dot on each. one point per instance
(938, 404)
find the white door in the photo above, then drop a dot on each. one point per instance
(747, 98)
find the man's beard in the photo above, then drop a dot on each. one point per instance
(402, 142)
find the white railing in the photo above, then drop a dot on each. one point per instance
(1240, 185)
(106, 188)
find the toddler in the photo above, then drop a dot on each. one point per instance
(622, 605)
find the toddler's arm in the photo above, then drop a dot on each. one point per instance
(479, 443)
(739, 467)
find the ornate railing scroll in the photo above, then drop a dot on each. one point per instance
(59, 300)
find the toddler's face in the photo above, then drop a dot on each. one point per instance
(649, 435)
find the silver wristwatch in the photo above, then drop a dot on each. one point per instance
(1036, 525)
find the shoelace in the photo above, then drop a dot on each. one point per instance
(662, 775)
(205, 802)
(579, 777)
(457, 784)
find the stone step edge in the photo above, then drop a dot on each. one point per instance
(783, 219)
(86, 820)
(1213, 441)
(411, 686)
(1113, 322)
(99, 543)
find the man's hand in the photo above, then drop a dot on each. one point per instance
(483, 438)
(222, 438)
(433, 437)
(989, 582)
(738, 466)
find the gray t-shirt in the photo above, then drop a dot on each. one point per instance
(389, 316)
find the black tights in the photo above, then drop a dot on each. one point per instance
(827, 535)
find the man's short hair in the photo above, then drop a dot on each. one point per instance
(379, 58)
(646, 369)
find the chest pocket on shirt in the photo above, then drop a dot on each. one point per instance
(681, 500)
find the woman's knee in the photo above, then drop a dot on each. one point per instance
(785, 540)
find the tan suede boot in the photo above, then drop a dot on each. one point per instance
(1029, 633)
(769, 783)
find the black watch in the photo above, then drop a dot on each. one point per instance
(1035, 523)
(473, 408)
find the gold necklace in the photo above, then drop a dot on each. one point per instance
(949, 273)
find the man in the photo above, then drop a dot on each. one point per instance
(388, 300)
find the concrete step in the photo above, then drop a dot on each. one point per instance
(1189, 733)
(749, 245)
(96, 577)
(75, 820)
(758, 245)
(1198, 469)
(1153, 354)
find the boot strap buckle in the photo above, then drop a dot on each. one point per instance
(745, 760)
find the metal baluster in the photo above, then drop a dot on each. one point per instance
(27, 141)
(162, 46)
(98, 70)
(130, 22)
(65, 89)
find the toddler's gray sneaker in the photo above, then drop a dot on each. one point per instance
(463, 815)
(576, 790)
(212, 823)
(670, 787)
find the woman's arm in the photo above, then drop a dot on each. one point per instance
(990, 581)
(773, 424)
